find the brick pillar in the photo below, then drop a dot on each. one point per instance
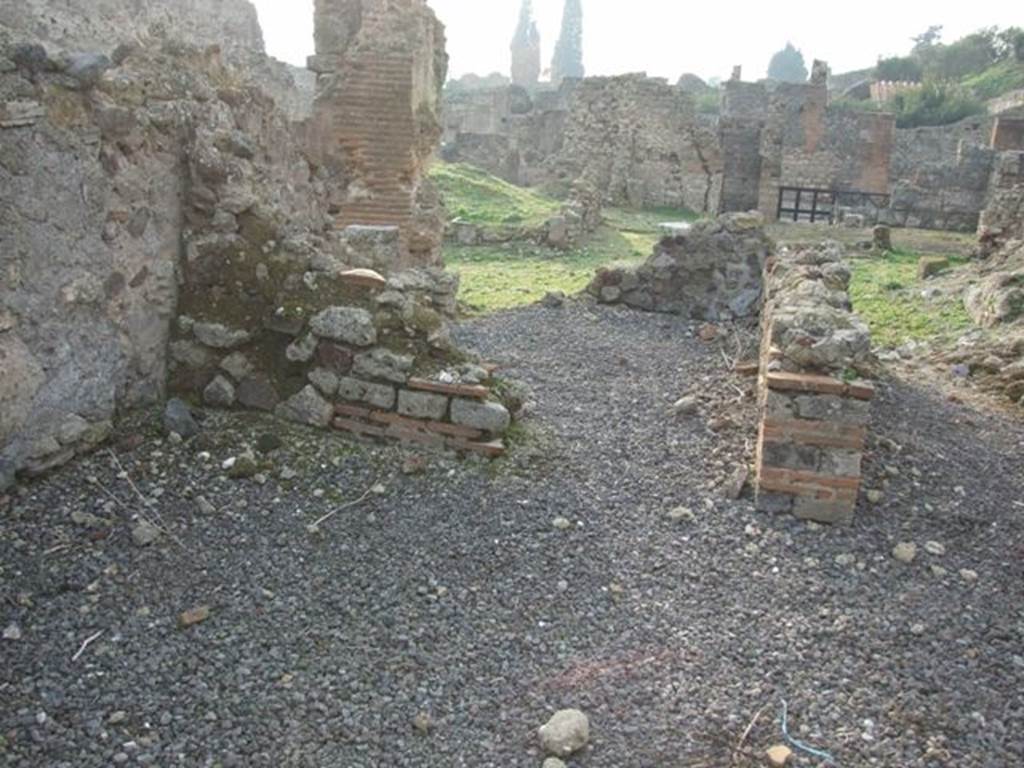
(376, 123)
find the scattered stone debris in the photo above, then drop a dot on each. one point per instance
(682, 515)
(194, 616)
(178, 419)
(423, 723)
(145, 533)
(779, 756)
(12, 632)
(566, 733)
(686, 406)
(905, 552)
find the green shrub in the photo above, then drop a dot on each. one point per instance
(900, 69)
(934, 104)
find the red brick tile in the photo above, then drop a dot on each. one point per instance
(458, 390)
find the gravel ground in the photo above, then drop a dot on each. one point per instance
(442, 619)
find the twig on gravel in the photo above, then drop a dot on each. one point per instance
(88, 641)
(158, 523)
(747, 732)
(315, 527)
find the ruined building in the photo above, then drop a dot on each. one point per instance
(781, 144)
(638, 140)
(170, 227)
(780, 148)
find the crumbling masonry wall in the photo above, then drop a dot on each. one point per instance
(1002, 220)
(714, 272)
(941, 176)
(376, 119)
(814, 394)
(638, 140)
(163, 229)
(776, 135)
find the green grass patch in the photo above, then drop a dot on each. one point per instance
(1002, 78)
(887, 295)
(476, 196)
(496, 277)
(516, 274)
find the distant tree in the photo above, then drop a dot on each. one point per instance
(1010, 44)
(526, 48)
(930, 37)
(568, 58)
(788, 66)
(899, 69)
(968, 56)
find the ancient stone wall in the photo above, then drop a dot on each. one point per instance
(1008, 134)
(713, 272)
(776, 135)
(638, 140)
(101, 25)
(164, 229)
(814, 397)
(1003, 218)
(95, 206)
(376, 119)
(941, 176)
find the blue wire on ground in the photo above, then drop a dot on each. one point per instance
(829, 760)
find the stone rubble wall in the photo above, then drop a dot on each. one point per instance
(165, 229)
(814, 388)
(101, 27)
(1002, 219)
(90, 168)
(714, 271)
(776, 135)
(941, 176)
(638, 140)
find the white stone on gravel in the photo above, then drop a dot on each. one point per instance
(968, 575)
(12, 632)
(567, 732)
(935, 548)
(682, 514)
(553, 762)
(905, 552)
(562, 523)
(145, 533)
(686, 406)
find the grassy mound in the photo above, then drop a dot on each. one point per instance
(476, 196)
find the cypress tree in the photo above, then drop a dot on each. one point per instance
(526, 48)
(788, 66)
(568, 59)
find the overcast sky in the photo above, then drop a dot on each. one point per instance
(667, 38)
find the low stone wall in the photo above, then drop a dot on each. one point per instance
(1002, 221)
(814, 403)
(714, 271)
